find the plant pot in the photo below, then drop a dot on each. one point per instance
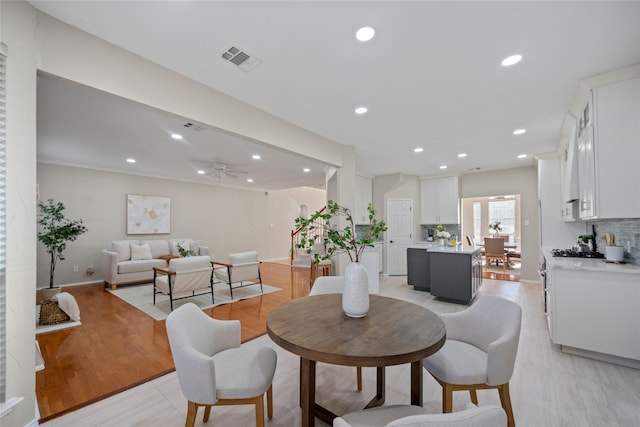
(355, 296)
(48, 293)
(443, 242)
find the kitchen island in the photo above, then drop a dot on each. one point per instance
(452, 273)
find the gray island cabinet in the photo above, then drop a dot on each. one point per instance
(449, 273)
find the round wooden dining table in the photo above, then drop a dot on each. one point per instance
(393, 332)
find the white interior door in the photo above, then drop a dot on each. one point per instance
(399, 229)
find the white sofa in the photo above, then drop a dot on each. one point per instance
(119, 267)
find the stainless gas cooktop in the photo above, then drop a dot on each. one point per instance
(570, 253)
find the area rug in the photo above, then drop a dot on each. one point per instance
(141, 297)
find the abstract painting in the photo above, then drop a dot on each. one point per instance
(148, 214)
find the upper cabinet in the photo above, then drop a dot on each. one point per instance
(364, 196)
(569, 177)
(608, 152)
(439, 201)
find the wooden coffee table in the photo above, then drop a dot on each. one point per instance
(393, 332)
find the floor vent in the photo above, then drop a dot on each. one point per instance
(241, 58)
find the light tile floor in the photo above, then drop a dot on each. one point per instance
(548, 388)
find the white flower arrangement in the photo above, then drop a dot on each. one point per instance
(443, 234)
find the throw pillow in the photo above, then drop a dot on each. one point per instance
(194, 245)
(139, 252)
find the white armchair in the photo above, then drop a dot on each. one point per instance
(213, 369)
(242, 267)
(415, 416)
(480, 351)
(190, 274)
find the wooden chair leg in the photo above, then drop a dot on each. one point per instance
(207, 413)
(359, 377)
(259, 403)
(447, 398)
(505, 399)
(474, 396)
(270, 402)
(192, 410)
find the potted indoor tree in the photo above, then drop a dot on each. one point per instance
(322, 228)
(56, 232)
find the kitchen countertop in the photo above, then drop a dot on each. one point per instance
(435, 247)
(589, 264)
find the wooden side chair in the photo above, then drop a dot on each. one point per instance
(494, 250)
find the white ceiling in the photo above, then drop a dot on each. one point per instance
(431, 77)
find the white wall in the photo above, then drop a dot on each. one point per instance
(16, 31)
(554, 233)
(521, 181)
(226, 220)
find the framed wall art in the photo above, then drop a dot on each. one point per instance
(148, 214)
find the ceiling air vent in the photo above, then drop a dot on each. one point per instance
(241, 58)
(194, 127)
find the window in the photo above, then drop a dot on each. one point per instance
(477, 221)
(504, 211)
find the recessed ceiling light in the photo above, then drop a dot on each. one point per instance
(249, 179)
(131, 160)
(201, 172)
(443, 167)
(461, 155)
(306, 170)
(522, 156)
(365, 34)
(519, 131)
(361, 110)
(176, 136)
(418, 150)
(511, 60)
(256, 157)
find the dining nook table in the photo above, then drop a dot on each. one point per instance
(393, 332)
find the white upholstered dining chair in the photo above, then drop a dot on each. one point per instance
(480, 351)
(213, 369)
(415, 416)
(333, 285)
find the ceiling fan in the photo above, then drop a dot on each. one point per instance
(219, 170)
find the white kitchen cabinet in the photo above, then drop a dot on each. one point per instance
(596, 311)
(609, 153)
(364, 196)
(569, 178)
(439, 201)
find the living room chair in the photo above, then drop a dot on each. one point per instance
(494, 250)
(480, 351)
(242, 267)
(184, 275)
(212, 367)
(333, 285)
(415, 416)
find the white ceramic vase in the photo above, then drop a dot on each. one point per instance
(355, 296)
(443, 242)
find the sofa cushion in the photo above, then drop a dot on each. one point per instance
(122, 248)
(139, 252)
(125, 267)
(158, 247)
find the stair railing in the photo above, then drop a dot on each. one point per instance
(295, 234)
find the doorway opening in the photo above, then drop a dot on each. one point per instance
(495, 217)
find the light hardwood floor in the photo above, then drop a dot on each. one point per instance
(548, 388)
